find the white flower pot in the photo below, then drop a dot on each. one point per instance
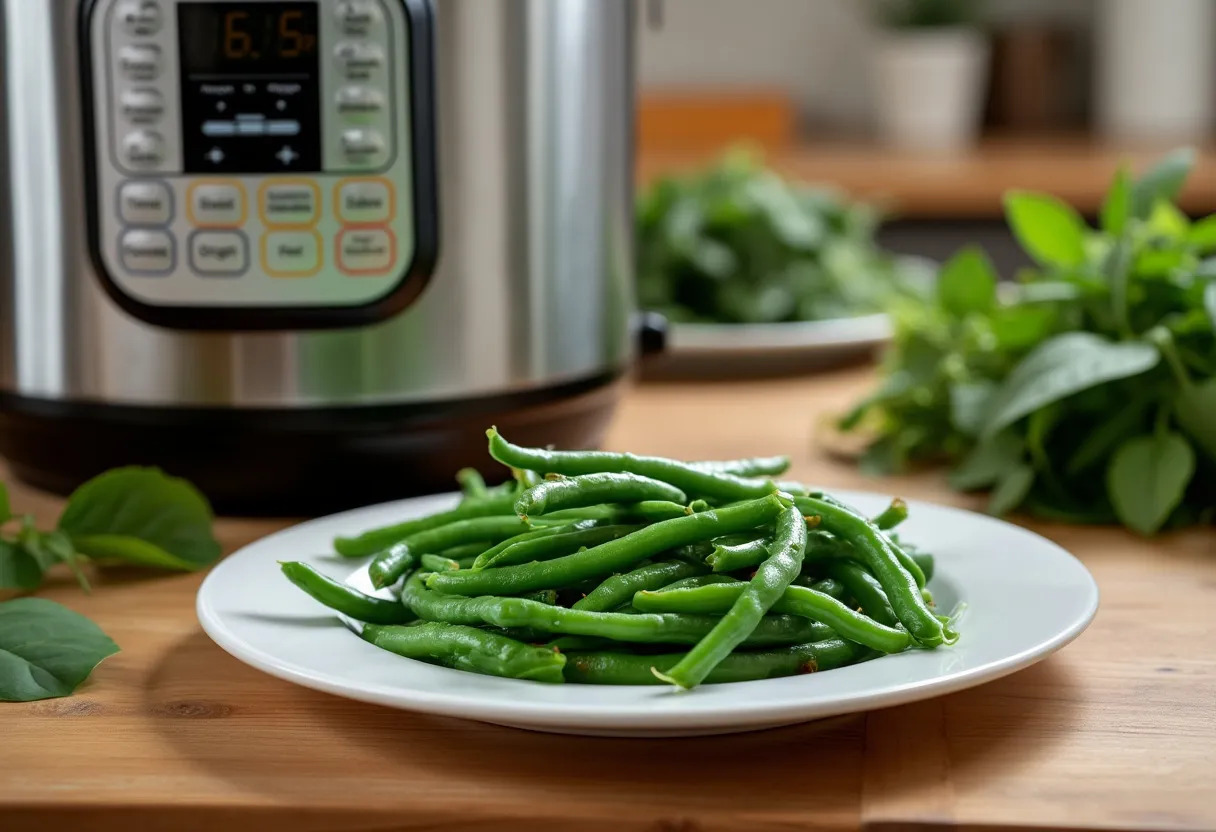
(930, 87)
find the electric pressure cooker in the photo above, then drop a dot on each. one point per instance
(303, 252)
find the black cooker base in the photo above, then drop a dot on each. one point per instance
(297, 462)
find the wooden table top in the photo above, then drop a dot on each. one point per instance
(1117, 731)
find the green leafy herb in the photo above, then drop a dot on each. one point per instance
(1055, 391)
(46, 650)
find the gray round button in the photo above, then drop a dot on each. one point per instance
(143, 105)
(140, 17)
(145, 203)
(140, 62)
(358, 17)
(143, 149)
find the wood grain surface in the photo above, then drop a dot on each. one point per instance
(1117, 731)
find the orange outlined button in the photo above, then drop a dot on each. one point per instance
(216, 204)
(365, 201)
(367, 251)
(289, 203)
(291, 253)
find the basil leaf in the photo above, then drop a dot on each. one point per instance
(1195, 409)
(1202, 235)
(1162, 181)
(1050, 230)
(1062, 366)
(18, 569)
(968, 404)
(1011, 490)
(1168, 222)
(6, 509)
(1118, 204)
(987, 462)
(46, 650)
(165, 513)
(967, 283)
(1147, 477)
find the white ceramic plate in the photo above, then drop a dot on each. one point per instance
(728, 350)
(1026, 598)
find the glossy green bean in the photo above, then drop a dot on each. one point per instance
(892, 515)
(387, 567)
(701, 580)
(732, 557)
(829, 586)
(345, 599)
(438, 563)
(543, 596)
(376, 540)
(758, 466)
(613, 556)
(593, 489)
(796, 600)
(771, 580)
(925, 561)
(618, 589)
(467, 648)
(865, 590)
(551, 546)
(614, 668)
(878, 554)
(471, 483)
(466, 551)
(690, 479)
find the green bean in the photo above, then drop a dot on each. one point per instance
(593, 489)
(438, 563)
(376, 540)
(690, 479)
(656, 511)
(758, 466)
(796, 600)
(469, 649)
(465, 551)
(387, 567)
(701, 580)
(925, 561)
(892, 516)
(873, 548)
(613, 556)
(866, 591)
(543, 596)
(567, 643)
(647, 511)
(471, 483)
(829, 586)
(345, 599)
(642, 628)
(730, 558)
(610, 668)
(551, 546)
(771, 580)
(619, 589)
(491, 552)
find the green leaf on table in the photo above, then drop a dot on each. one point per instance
(1117, 206)
(46, 650)
(968, 404)
(1202, 235)
(1011, 489)
(1147, 477)
(1195, 410)
(967, 283)
(141, 516)
(988, 462)
(1163, 180)
(1049, 229)
(1062, 366)
(18, 568)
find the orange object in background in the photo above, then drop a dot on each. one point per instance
(705, 121)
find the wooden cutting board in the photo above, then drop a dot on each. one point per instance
(1118, 731)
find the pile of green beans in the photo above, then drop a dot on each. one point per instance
(605, 568)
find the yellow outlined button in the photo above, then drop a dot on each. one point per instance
(291, 253)
(289, 203)
(216, 203)
(365, 201)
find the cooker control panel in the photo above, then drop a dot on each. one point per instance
(261, 163)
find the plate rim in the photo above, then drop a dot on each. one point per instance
(635, 715)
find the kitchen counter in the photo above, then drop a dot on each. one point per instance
(1117, 731)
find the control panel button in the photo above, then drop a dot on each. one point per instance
(140, 17)
(139, 62)
(358, 17)
(363, 147)
(145, 203)
(290, 203)
(143, 149)
(219, 253)
(354, 101)
(365, 201)
(143, 105)
(358, 60)
(366, 250)
(217, 204)
(291, 253)
(147, 252)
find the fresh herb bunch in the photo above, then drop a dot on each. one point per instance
(136, 516)
(1085, 393)
(738, 244)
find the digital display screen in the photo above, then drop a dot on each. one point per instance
(250, 77)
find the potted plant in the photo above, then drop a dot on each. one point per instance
(931, 73)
